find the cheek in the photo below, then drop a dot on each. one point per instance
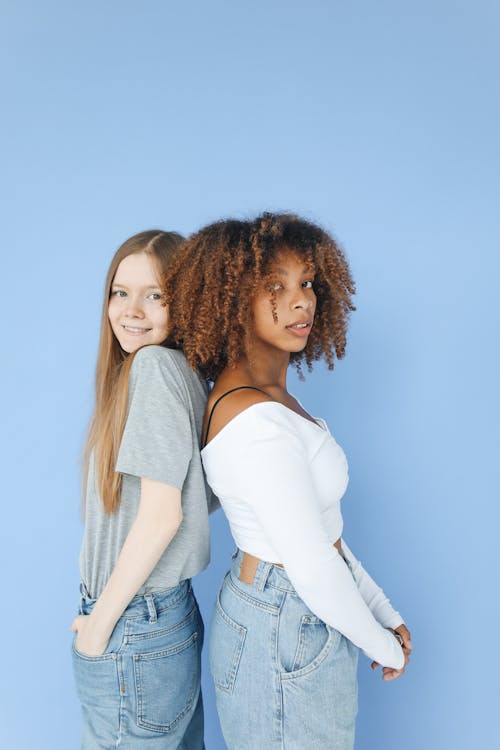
(112, 311)
(160, 318)
(262, 314)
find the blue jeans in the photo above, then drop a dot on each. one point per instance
(283, 679)
(144, 691)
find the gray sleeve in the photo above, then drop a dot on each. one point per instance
(156, 442)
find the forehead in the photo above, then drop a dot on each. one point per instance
(137, 269)
(289, 262)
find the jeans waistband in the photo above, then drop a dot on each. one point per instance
(265, 573)
(148, 604)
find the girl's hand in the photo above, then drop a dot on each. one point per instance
(392, 674)
(91, 640)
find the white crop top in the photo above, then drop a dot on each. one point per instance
(279, 478)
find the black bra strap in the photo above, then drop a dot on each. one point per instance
(238, 388)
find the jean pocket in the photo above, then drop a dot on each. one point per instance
(109, 653)
(316, 640)
(96, 677)
(166, 684)
(227, 639)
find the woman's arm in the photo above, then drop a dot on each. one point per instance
(265, 465)
(375, 599)
(380, 606)
(158, 519)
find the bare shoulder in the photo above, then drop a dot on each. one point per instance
(223, 406)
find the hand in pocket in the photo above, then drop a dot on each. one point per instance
(91, 639)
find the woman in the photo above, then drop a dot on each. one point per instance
(248, 298)
(136, 653)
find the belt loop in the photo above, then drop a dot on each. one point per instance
(153, 617)
(262, 574)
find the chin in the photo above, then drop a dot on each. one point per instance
(130, 347)
(299, 347)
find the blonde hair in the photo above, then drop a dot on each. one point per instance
(112, 372)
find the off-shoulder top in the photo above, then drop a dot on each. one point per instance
(280, 478)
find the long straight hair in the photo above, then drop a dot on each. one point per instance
(112, 372)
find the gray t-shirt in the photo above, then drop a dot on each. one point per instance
(161, 442)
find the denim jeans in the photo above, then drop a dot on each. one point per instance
(283, 679)
(144, 691)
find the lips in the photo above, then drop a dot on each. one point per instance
(135, 330)
(301, 328)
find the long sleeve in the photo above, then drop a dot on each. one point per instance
(373, 596)
(265, 466)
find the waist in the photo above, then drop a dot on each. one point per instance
(256, 572)
(142, 604)
(249, 564)
(249, 534)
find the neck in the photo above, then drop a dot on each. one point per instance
(264, 366)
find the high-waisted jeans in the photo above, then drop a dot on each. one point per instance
(284, 680)
(144, 691)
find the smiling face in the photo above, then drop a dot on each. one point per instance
(136, 312)
(283, 312)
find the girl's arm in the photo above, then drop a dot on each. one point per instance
(379, 605)
(375, 599)
(158, 518)
(264, 463)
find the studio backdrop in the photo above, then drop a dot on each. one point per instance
(380, 122)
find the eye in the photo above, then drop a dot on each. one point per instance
(155, 296)
(275, 286)
(119, 293)
(308, 284)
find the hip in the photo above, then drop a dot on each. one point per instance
(270, 624)
(282, 676)
(160, 618)
(150, 671)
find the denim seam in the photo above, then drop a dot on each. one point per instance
(228, 620)
(252, 600)
(241, 631)
(101, 658)
(176, 600)
(152, 655)
(134, 638)
(285, 589)
(171, 603)
(121, 681)
(299, 651)
(141, 722)
(280, 713)
(333, 640)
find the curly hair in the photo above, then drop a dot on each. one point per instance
(212, 280)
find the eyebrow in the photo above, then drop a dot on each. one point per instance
(124, 286)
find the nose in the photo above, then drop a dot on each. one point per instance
(133, 308)
(301, 300)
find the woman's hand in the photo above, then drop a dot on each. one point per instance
(392, 674)
(91, 639)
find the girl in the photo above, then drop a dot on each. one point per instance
(251, 297)
(136, 653)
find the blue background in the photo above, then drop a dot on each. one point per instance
(379, 120)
